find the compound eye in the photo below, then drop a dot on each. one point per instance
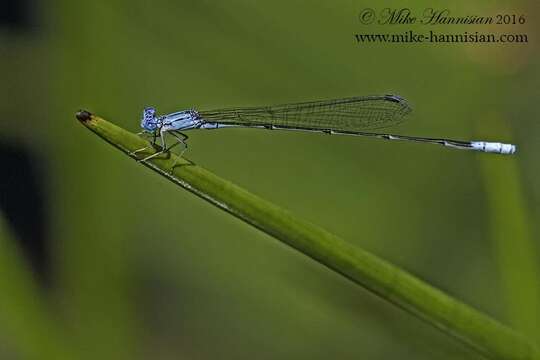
(148, 121)
(149, 113)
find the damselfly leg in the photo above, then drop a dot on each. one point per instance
(145, 133)
(181, 139)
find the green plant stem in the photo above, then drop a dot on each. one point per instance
(514, 245)
(484, 334)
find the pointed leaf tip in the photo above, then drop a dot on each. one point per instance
(83, 115)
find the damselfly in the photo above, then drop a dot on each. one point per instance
(347, 116)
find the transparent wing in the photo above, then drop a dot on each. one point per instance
(347, 114)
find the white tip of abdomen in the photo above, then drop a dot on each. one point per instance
(493, 147)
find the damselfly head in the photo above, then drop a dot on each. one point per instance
(149, 121)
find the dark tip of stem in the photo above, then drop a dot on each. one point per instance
(83, 115)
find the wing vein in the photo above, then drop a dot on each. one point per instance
(349, 114)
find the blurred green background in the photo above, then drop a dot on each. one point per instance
(134, 268)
